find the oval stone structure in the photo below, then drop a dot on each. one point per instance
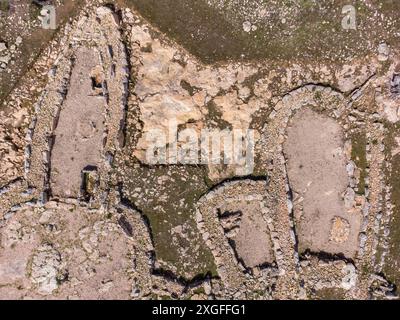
(316, 167)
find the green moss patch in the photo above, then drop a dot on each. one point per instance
(359, 156)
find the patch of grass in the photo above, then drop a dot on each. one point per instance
(168, 205)
(392, 262)
(330, 294)
(32, 45)
(359, 156)
(4, 6)
(391, 267)
(214, 116)
(293, 30)
(188, 87)
(199, 291)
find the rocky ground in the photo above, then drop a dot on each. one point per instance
(84, 215)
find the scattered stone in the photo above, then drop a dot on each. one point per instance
(246, 26)
(395, 84)
(340, 230)
(5, 59)
(350, 278)
(381, 288)
(383, 51)
(46, 265)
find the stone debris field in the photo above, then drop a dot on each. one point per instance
(84, 215)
